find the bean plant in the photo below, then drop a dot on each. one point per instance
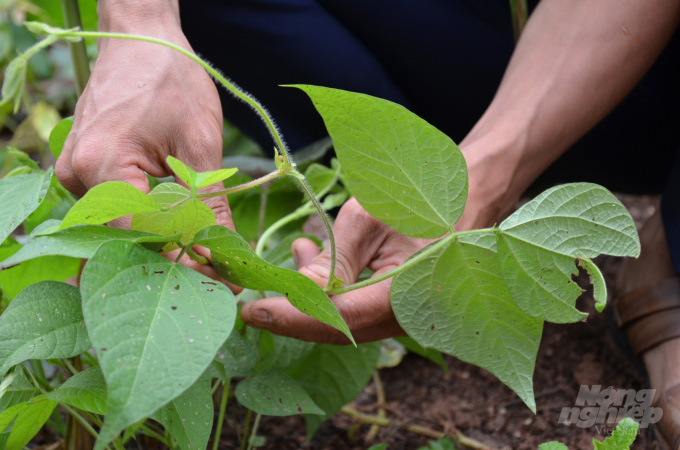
(143, 342)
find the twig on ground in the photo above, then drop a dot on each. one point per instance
(458, 437)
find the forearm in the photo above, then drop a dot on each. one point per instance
(575, 62)
(135, 16)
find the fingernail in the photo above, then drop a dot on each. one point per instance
(261, 317)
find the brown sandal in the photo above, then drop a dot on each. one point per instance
(650, 316)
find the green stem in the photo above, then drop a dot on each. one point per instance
(42, 385)
(381, 398)
(520, 13)
(253, 433)
(249, 416)
(220, 418)
(433, 248)
(81, 65)
(299, 213)
(49, 40)
(242, 187)
(37, 367)
(196, 257)
(153, 434)
(181, 253)
(283, 221)
(80, 420)
(233, 89)
(69, 366)
(302, 182)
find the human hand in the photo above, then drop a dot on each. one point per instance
(142, 103)
(362, 241)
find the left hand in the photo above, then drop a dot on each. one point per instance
(361, 241)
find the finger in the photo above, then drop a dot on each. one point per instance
(366, 311)
(358, 238)
(304, 251)
(203, 269)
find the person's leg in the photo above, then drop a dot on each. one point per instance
(441, 59)
(261, 44)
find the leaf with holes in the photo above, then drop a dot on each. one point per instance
(80, 241)
(457, 302)
(401, 169)
(542, 242)
(148, 316)
(274, 393)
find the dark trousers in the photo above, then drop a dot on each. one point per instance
(442, 59)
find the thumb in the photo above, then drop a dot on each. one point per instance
(358, 237)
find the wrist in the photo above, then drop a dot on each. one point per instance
(156, 18)
(495, 178)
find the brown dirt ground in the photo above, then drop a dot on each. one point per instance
(472, 401)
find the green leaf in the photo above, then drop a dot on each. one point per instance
(319, 177)
(197, 180)
(20, 196)
(381, 446)
(391, 354)
(553, 445)
(204, 179)
(14, 82)
(8, 415)
(18, 157)
(47, 268)
(182, 171)
(185, 219)
(401, 169)
(540, 280)
(30, 418)
(333, 376)
(59, 134)
(540, 243)
(578, 220)
(189, 417)
(621, 439)
(43, 28)
(44, 321)
(237, 356)
(166, 194)
(444, 443)
(148, 316)
(15, 388)
(274, 393)
(108, 201)
(80, 241)
(457, 302)
(428, 353)
(85, 390)
(334, 200)
(285, 351)
(237, 262)
(597, 280)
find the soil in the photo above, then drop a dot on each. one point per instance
(471, 401)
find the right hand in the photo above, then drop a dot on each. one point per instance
(142, 103)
